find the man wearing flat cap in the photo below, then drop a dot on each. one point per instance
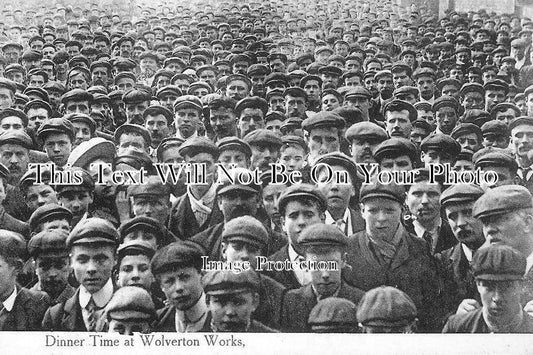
(177, 268)
(136, 101)
(499, 161)
(446, 110)
(187, 116)
(130, 310)
(250, 113)
(158, 121)
(132, 137)
(384, 252)
(50, 256)
(333, 315)
(386, 309)
(457, 202)
(499, 273)
(398, 117)
(439, 148)
(57, 137)
(197, 210)
(364, 137)
(147, 229)
(265, 146)
(495, 92)
(77, 194)
(231, 299)
(319, 243)
(22, 309)
(234, 151)
(322, 133)
(521, 130)
(92, 245)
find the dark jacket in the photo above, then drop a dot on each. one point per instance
(27, 313)
(445, 240)
(285, 277)
(166, 321)
(66, 316)
(297, 305)
(412, 270)
(473, 322)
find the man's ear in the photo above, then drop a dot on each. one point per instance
(255, 300)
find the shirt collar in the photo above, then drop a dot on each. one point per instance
(529, 262)
(193, 314)
(206, 200)
(293, 255)
(101, 297)
(468, 252)
(9, 303)
(420, 230)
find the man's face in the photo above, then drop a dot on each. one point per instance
(38, 195)
(263, 155)
(8, 277)
(92, 265)
(11, 123)
(496, 140)
(223, 122)
(506, 116)
(77, 202)
(473, 100)
(182, 286)
(466, 229)
(125, 84)
(323, 140)
(12, 55)
(295, 106)
(423, 201)
(100, 76)
(469, 141)
(446, 119)
(233, 156)
(131, 141)
(237, 89)
(337, 190)
(16, 158)
(77, 107)
(236, 203)
(363, 148)
(401, 163)
(78, 81)
(511, 229)
(52, 272)
(271, 194)
(326, 281)
(240, 251)
(134, 112)
(58, 147)
(6, 98)
(187, 120)
(500, 299)
(522, 139)
(297, 217)
(400, 79)
(250, 120)
(382, 217)
(134, 270)
(158, 127)
(493, 97)
(232, 312)
(426, 86)
(36, 117)
(153, 206)
(398, 124)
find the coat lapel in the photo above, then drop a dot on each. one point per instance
(72, 314)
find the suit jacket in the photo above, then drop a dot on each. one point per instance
(358, 223)
(412, 270)
(27, 313)
(67, 293)
(66, 316)
(473, 322)
(458, 277)
(297, 305)
(445, 240)
(271, 294)
(183, 223)
(285, 277)
(166, 321)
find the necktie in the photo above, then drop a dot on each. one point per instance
(340, 224)
(91, 319)
(525, 172)
(427, 237)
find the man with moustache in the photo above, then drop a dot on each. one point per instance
(457, 202)
(92, 245)
(251, 113)
(521, 129)
(197, 210)
(322, 133)
(296, 102)
(265, 147)
(187, 116)
(136, 101)
(158, 121)
(398, 117)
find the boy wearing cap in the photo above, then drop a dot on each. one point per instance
(234, 151)
(129, 311)
(231, 299)
(178, 269)
(187, 116)
(320, 243)
(333, 315)
(300, 205)
(92, 245)
(77, 197)
(385, 252)
(50, 257)
(499, 271)
(57, 137)
(22, 309)
(322, 133)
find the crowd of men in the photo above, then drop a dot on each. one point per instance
(96, 92)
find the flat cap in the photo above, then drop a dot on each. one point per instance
(76, 95)
(330, 70)
(133, 128)
(400, 105)
(441, 142)
(245, 229)
(498, 263)
(234, 143)
(496, 84)
(366, 130)
(339, 159)
(522, 120)
(445, 101)
(501, 200)
(357, 91)
(93, 231)
(423, 71)
(251, 102)
(301, 191)
(142, 223)
(8, 84)
(153, 187)
(465, 128)
(492, 156)
(56, 125)
(263, 137)
(130, 303)
(494, 127)
(188, 101)
(323, 119)
(195, 145)
(375, 189)
(394, 147)
(472, 87)
(175, 255)
(333, 311)
(229, 282)
(460, 193)
(89, 151)
(136, 247)
(135, 96)
(48, 212)
(239, 176)
(386, 306)
(48, 243)
(13, 112)
(322, 235)
(16, 137)
(12, 244)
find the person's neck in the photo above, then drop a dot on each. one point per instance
(523, 161)
(199, 191)
(337, 213)
(429, 225)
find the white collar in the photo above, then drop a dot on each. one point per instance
(420, 230)
(9, 303)
(529, 262)
(345, 217)
(101, 297)
(207, 199)
(468, 252)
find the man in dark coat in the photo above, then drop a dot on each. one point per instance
(386, 254)
(320, 243)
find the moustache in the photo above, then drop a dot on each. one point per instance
(239, 211)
